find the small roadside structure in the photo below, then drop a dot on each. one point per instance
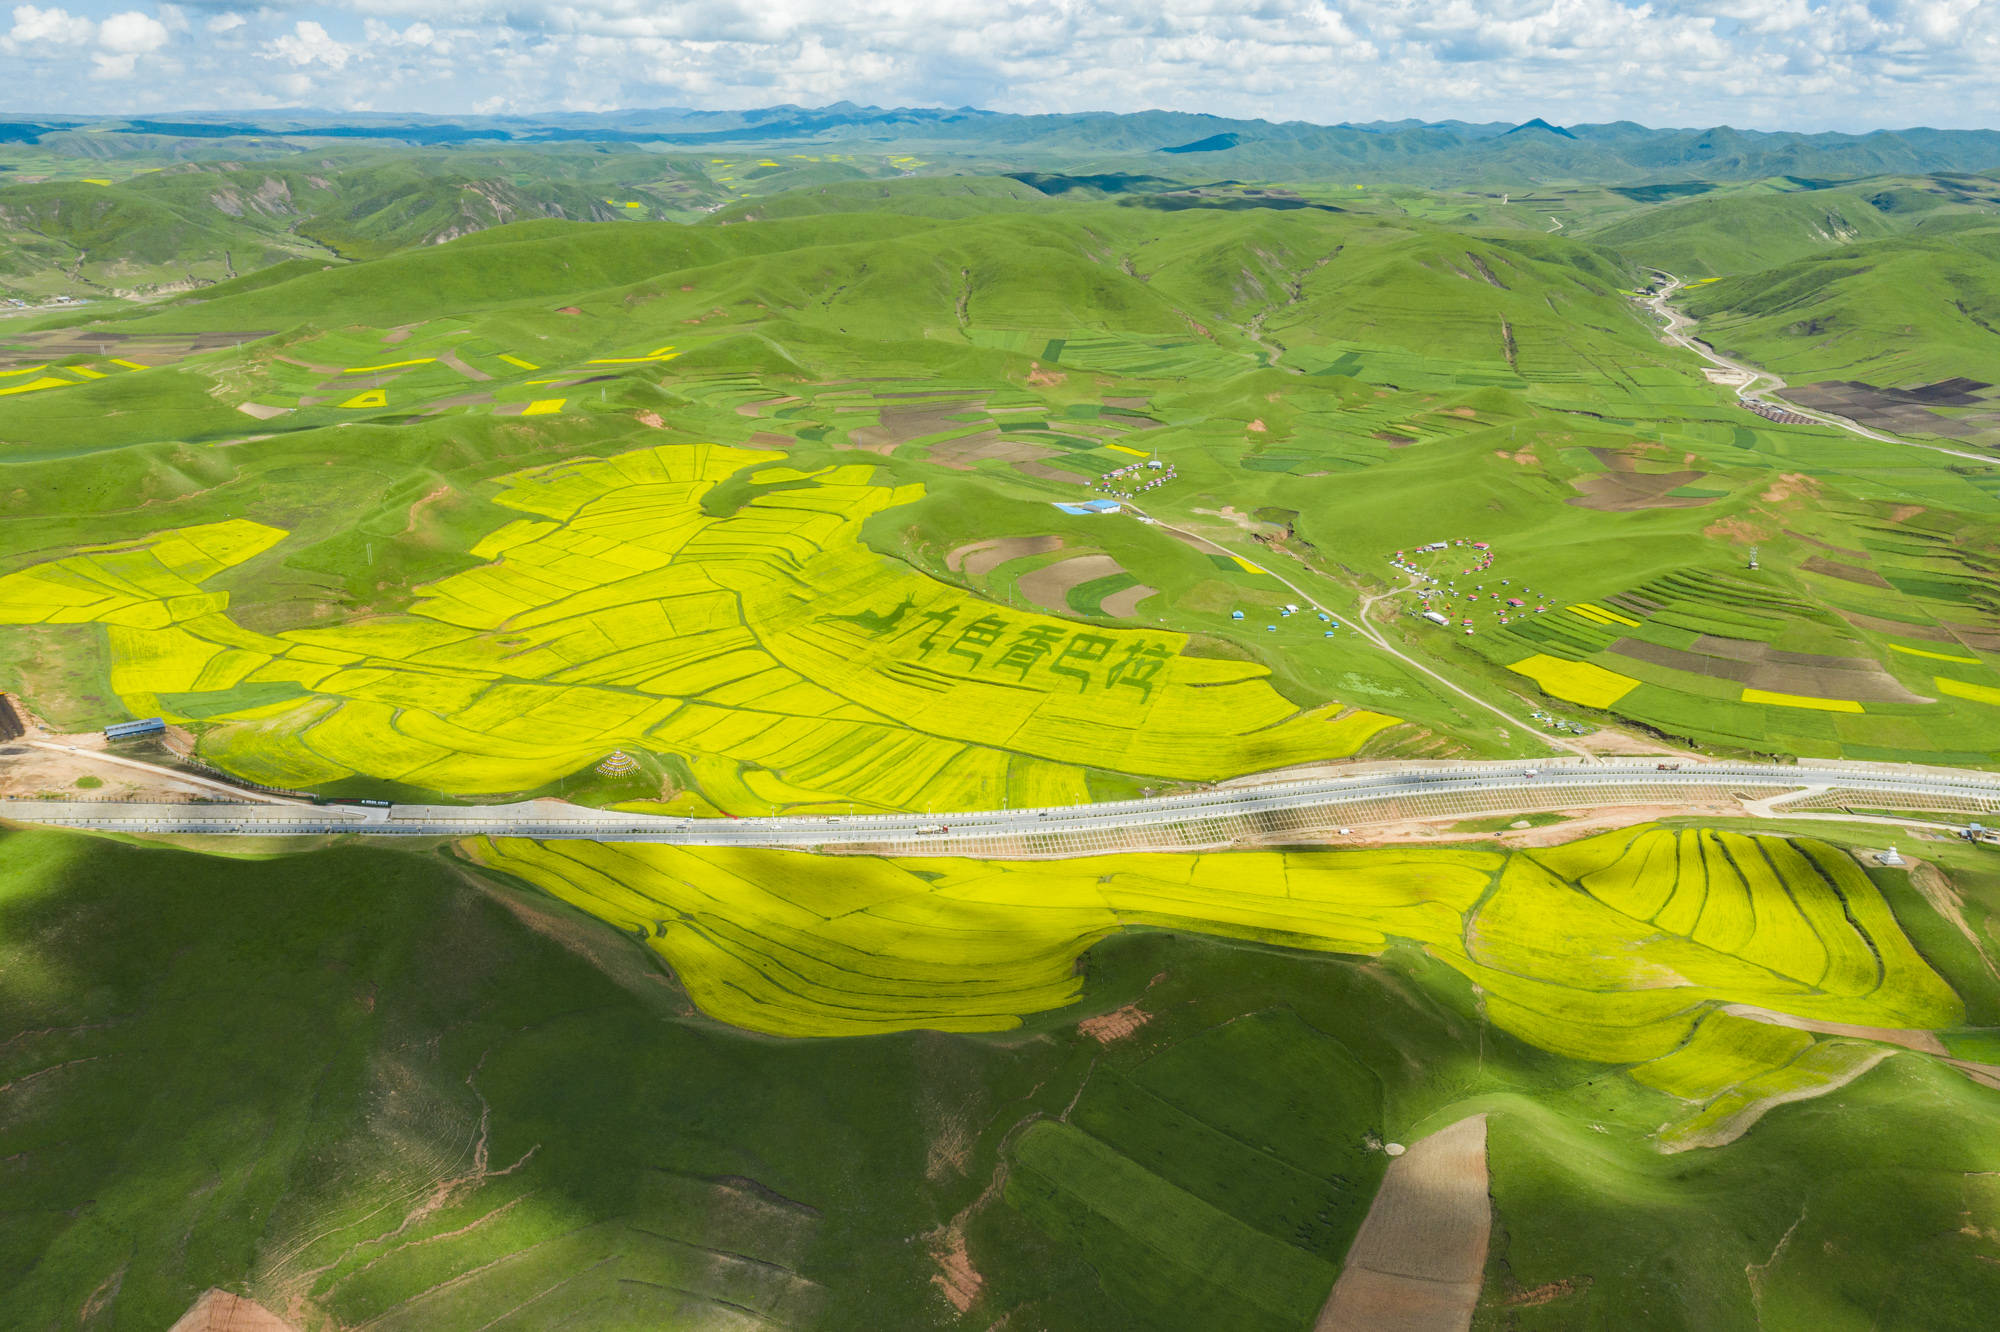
(132, 729)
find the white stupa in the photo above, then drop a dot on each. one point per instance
(1889, 857)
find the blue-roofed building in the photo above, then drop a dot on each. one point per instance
(127, 730)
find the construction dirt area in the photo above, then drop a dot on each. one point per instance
(39, 763)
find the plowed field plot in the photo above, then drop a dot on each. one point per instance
(1049, 586)
(1760, 666)
(145, 348)
(1124, 604)
(980, 558)
(782, 660)
(1420, 1258)
(1623, 486)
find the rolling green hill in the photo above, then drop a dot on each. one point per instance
(1895, 312)
(760, 467)
(1762, 226)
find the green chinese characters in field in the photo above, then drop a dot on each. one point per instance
(784, 661)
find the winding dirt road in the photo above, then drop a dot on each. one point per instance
(1756, 384)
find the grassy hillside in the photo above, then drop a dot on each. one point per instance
(1773, 223)
(1898, 312)
(503, 1102)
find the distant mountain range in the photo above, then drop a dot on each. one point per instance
(1421, 152)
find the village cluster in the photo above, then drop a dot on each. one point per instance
(1136, 478)
(1437, 594)
(1287, 611)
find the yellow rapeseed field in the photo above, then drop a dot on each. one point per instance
(1978, 693)
(1933, 656)
(1801, 701)
(786, 662)
(1578, 682)
(1623, 948)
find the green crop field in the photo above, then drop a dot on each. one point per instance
(826, 465)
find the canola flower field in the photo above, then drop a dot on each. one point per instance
(786, 663)
(1623, 948)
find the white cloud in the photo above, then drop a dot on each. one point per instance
(1765, 63)
(40, 28)
(309, 44)
(122, 39)
(132, 33)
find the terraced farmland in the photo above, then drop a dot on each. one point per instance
(1621, 948)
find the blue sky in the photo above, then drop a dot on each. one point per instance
(1793, 64)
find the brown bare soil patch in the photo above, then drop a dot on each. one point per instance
(957, 1277)
(899, 423)
(1848, 573)
(1256, 426)
(416, 510)
(1125, 604)
(1902, 513)
(1905, 411)
(966, 451)
(1927, 879)
(1739, 531)
(1041, 471)
(772, 440)
(568, 310)
(1624, 491)
(260, 411)
(1790, 485)
(650, 419)
(1546, 1293)
(1417, 1263)
(1041, 378)
(1977, 636)
(1115, 1025)
(220, 1311)
(980, 558)
(451, 360)
(1930, 633)
(1760, 666)
(1049, 586)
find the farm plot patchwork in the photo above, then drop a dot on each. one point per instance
(782, 659)
(443, 366)
(1705, 655)
(1621, 948)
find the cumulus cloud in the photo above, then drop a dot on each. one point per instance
(122, 39)
(41, 28)
(1795, 63)
(308, 43)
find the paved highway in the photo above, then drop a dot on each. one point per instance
(1470, 787)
